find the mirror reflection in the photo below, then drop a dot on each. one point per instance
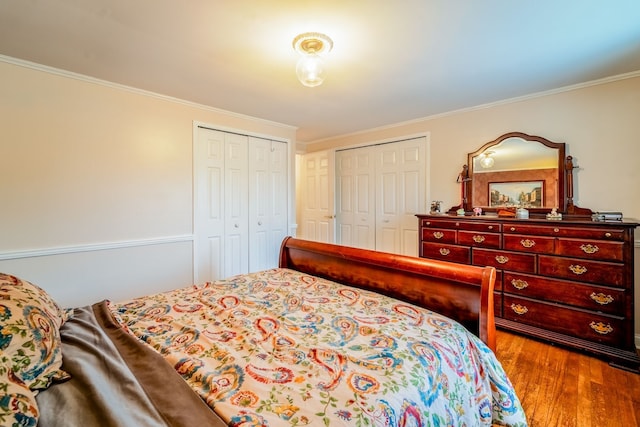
(517, 170)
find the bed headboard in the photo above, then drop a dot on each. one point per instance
(459, 291)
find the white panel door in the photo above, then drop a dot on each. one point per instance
(400, 195)
(355, 201)
(220, 205)
(279, 196)
(316, 196)
(236, 205)
(209, 204)
(380, 189)
(267, 202)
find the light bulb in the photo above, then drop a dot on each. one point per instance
(486, 161)
(310, 70)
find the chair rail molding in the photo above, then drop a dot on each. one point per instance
(59, 250)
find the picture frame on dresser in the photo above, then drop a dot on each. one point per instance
(529, 194)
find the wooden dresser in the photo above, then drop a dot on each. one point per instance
(568, 282)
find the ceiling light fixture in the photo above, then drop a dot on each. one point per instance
(486, 161)
(311, 46)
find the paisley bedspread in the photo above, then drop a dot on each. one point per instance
(279, 348)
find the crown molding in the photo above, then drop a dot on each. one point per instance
(105, 83)
(534, 95)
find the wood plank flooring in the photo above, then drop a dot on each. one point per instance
(561, 387)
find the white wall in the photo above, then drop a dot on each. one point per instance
(599, 122)
(96, 183)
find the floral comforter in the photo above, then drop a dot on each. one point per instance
(280, 347)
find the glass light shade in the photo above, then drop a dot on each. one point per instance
(310, 70)
(486, 161)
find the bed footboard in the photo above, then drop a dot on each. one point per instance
(459, 291)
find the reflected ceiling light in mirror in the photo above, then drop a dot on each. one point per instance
(486, 161)
(311, 68)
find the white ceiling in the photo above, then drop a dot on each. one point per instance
(392, 61)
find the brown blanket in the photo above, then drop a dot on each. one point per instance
(116, 381)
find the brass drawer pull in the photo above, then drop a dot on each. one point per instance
(444, 251)
(519, 309)
(519, 284)
(601, 328)
(490, 227)
(478, 238)
(607, 234)
(578, 269)
(527, 243)
(589, 248)
(601, 298)
(513, 229)
(556, 230)
(438, 234)
(502, 259)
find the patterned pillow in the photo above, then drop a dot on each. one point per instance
(30, 324)
(18, 405)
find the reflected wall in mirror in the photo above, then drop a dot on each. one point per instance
(515, 170)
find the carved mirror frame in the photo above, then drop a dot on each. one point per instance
(563, 176)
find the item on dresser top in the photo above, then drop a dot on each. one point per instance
(607, 216)
(507, 213)
(554, 214)
(522, 213)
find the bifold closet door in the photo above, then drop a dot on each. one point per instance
(236, 205)
(315, 195)
(220, 204)
(400, 194)
(240, 203)
(356, 197)
(268, 201)
(379, 190)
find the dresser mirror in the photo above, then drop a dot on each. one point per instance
(519, 170)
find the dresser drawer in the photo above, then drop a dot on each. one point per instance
(538, 244)
(479, 239)
(536, 230)
(503, 260)
(579, 323)
(560, 230)
(597, 233)
(497, 304)
(439, 223)
(591, 249)
(597, 298)
(441, 235)
(445, 252)
(498, 284)
(462, 224)
(489, 227)
(606, 273)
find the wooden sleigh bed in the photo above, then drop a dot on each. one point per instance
(329, 354)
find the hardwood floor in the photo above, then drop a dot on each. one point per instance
(560, 387)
